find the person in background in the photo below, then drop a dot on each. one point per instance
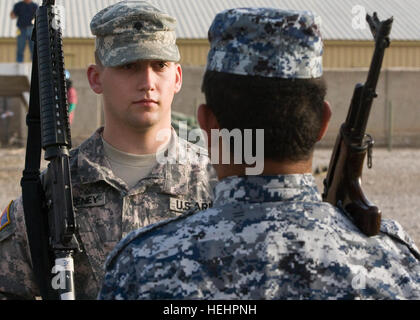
(24, 11)
(71, 96)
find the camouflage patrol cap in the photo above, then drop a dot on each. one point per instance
(134, 30)
(266, 42)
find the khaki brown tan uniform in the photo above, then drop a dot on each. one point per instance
(107, 208)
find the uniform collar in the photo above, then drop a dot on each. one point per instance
(253, 189)
(92, 166)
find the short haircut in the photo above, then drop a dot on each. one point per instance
(97, 60)
(289, 110)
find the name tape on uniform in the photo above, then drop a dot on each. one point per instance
(180, 205)
(90, 200)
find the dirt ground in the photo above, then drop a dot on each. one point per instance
(393, 183)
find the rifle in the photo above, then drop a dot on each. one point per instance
(342, 185)
(50, 223)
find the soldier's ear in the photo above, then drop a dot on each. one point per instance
(206, 119)
(178, 77)
(93, 75)
(326, 116)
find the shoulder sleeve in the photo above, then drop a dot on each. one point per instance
(120, 265)
(118, 281)
(393, 229)
(130, 237)
(114, 255)
(122, 279)
(7, 225)
(16, 276)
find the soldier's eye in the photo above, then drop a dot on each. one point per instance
(128, 66)
(162, 64)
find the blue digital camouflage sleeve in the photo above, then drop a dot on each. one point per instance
(117, 277)
(120, 278)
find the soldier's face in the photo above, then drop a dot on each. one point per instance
(140, 94)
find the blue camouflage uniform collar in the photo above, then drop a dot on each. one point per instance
(92, 165)
(253, 189)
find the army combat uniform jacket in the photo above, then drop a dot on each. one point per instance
(266, 237)
(106, 211)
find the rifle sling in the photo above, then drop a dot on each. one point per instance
(33, 196)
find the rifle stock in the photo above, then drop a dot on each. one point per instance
(342, 185)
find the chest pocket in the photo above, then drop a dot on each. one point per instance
(94, 246)
(99, 228)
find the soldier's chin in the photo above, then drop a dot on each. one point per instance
(144, 122)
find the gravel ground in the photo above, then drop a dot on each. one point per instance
(392, 183)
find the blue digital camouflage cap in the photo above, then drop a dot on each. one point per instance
(266, 42)
(134, 30)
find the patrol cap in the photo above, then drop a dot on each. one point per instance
(266, 42)
(134, 30)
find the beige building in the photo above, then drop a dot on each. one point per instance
(78, 53)
(348, 41)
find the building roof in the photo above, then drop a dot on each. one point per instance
(195, 16)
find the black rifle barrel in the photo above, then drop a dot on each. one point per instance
(53, 95)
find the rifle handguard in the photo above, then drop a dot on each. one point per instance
(55, 129)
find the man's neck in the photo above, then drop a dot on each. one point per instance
(271, 167)
(135, 141)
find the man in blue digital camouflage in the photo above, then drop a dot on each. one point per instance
(267, 236)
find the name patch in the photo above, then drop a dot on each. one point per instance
(90, 200)
(180, 205)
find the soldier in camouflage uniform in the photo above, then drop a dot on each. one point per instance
(267, 236)
(119, 181)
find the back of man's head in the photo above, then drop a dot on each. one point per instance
(264, 71)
